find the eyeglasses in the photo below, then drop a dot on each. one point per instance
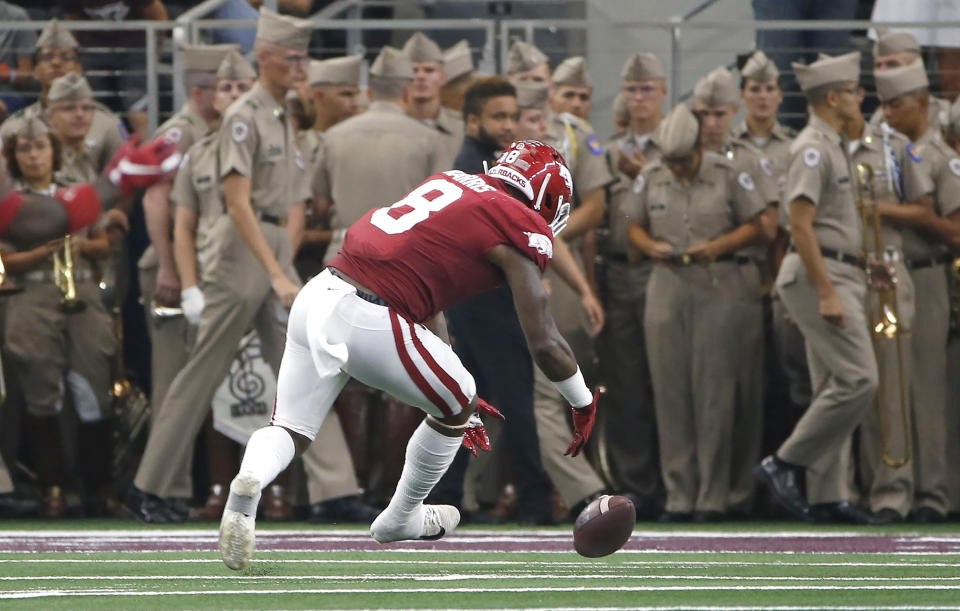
(65, 56)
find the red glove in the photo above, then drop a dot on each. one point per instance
(475, 435)
(82, 203)
(134, 168)
(583, 418)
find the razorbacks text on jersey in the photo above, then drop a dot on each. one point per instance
(428, 251)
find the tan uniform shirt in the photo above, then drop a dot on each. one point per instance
(717, 201)
(256, 140)
(775, 149)
(449, 124)
(106, 134)
(575, 140)
(310, 142)
(197, 187)
(820, 170)
(618, 192)
(373, 160)
(941, 163)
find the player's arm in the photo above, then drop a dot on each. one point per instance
(548, 348)
(156, 213)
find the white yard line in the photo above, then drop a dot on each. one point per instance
(463, 577)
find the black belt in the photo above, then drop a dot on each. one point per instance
(686, 259)
(273, 219)
(913, 264)
(837, 255)
(361, 294)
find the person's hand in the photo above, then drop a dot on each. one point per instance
(475, 435)
(631, 165)
(832, 310)
(703, 252)
(583, 418)
(661, 251)
(167, 292)
(192, 302)
(594, 310)
(285, 289)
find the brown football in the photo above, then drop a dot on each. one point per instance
(604, 526)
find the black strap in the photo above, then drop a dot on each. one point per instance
(913, 264)
(273, 219)
(361, 294)
(837, 255)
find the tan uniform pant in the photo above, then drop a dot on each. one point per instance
(6, 482)
(747, 440)
(843, 369)
(170, 343)
(328, 464)
(49, 348)
(953, 423)
(930, 387)
(238, 295)
(692, 350)
(791, 354)
(629, 421)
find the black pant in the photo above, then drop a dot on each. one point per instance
(490, 343)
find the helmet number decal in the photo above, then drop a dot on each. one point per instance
(416, 207)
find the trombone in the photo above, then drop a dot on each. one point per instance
(883, 312)
(64, 276)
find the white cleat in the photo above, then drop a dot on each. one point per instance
(237, 526)
(435, 522)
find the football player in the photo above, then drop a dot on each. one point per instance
(375, 314)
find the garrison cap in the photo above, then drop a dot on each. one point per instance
(392, 63)
(717, 88)
(760, 68)
(890, 42)
(524, 56)
(335, 71)
(532, 95)
(619, 105)
(234, 67)
(33, 128)
(419, 48)
(204, 58)
(827, 70)
(55, 37)
(642, 67)
(678, 132)
(69, 87)
(895, 82)
(284, 30)
(573, 73)
(458, 60)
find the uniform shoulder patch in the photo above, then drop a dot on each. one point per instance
(541, 243)
(954, 165)
(239, 131)
(593, 143)
(914, 153)
(746, 181)
(174, 134)
(811, 157)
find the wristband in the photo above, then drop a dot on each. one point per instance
(575, 390)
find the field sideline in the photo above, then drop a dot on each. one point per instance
(120, 565)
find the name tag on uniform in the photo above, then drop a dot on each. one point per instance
(843, 180)
(658, 207)
(275, 150)
(202, 180)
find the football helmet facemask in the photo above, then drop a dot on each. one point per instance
(539, 172)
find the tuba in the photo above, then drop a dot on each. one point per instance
(64, 277)
(883, 313)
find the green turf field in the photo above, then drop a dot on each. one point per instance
(880, 569)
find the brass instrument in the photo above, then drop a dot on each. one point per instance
(954, 284)
(65, 278)
(884, 318)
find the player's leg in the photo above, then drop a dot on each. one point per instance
(417, 367)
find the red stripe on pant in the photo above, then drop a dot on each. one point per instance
(412, 370)
(441, 374)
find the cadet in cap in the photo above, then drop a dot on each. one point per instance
(821, 282)
(951, 130)
(761, 94)
(32, 130)
(716, 101)
(525, 62)
(458, 64)
(532, 98)
(630, 430)
(905, 94)
(423, 95)
(894, 49)
(573, 88)
(335, 84)
(264, 187)
(70, 113)
(690, 312)
(235, 67)
(55, 37)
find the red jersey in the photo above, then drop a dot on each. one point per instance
(428, 251)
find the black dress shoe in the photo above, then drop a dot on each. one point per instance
(704, 516)
(887, 516)
(927, 515)
(149, 508)
(480, 517)
(534, 519)
(349, 510)
(843, 512)
(15, 507)
(671, 517)
(781, 479)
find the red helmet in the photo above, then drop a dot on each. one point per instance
(539, 172)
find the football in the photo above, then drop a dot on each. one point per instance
(604, 526)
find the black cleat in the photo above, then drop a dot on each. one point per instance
(781, 479)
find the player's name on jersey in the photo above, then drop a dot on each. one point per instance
(470, 181)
